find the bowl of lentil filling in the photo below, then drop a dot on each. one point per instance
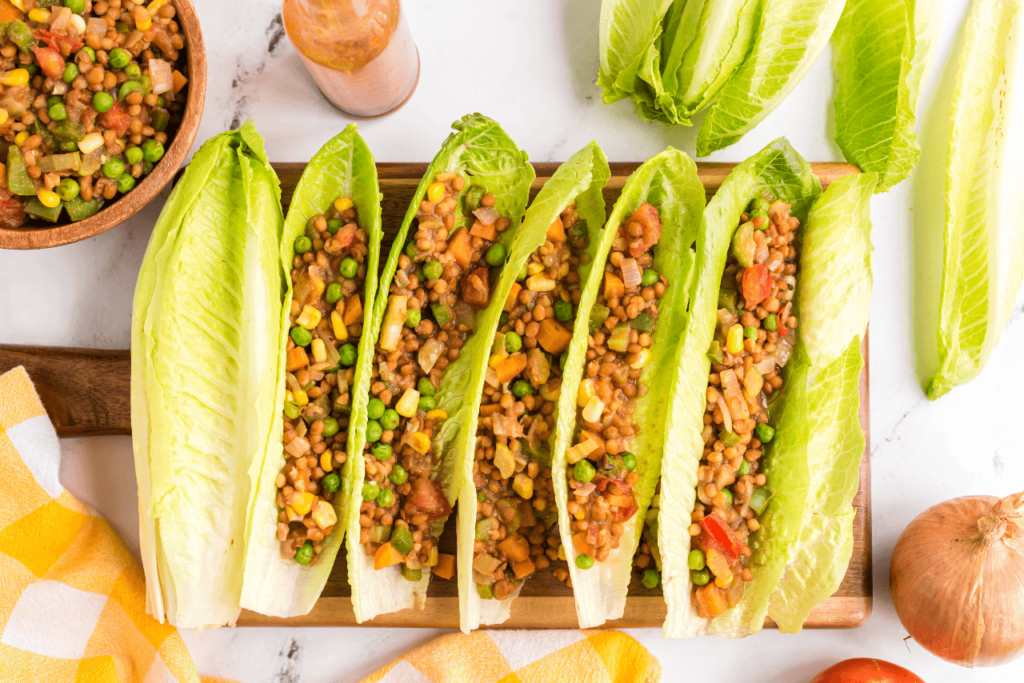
(100, 102)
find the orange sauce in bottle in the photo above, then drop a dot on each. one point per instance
(359, 52)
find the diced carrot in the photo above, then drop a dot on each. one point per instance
(582, 546)
(620, 501)
(523, 569)
(445, 568)
(515, 547)
(556, 231)
(178, 81)
(353, 310)
(552, 337)
(487, 232)
(3, 175)
(613, 287)
(509, 367)
(513, 297)
(490, 409)
(9, 12)
(711, 601)
(461, 248)
(526, 517)
(387, 556)
(297, 359)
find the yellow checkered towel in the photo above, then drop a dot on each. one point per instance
(72, 599)
(525, 657)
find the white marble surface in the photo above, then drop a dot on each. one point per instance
(531, 64)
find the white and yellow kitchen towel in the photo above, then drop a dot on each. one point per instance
(72, 599)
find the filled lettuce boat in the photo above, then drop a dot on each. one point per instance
(507, 523)
(329, 255)
(435, 292)
(205, 357)
(616, 393)
(761, 467)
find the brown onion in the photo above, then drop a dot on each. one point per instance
(957, 579)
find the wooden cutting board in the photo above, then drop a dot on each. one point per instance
(86, 393)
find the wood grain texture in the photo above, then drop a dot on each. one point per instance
(36, 234)
(87, 393)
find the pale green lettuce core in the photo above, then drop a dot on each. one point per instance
(273, 585)
(205, 354)
(580, 180)
(882, 52)
(984, 233)
(481, 151)
(668, 181)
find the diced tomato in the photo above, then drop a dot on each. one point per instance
(717, 532)
(757, 284)
(12, 212)
(346, 235)
(427, 498)
(50, 62)
(59, 42)
(476, 289)
(115, 118)
(650, 223)
(624, 514)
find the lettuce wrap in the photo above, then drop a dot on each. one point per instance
(579, 180)
(802, 545)
(205, 360)
(667, 181)
(481, 152)
(272, 584)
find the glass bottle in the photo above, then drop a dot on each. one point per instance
(360, 52)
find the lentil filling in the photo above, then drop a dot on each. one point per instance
(443, 279)
(754, 337)
(600, 467)
(328, 277)
(516, 529)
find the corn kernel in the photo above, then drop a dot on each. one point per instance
(437, 414)
(734, 339)
(585, 393)
(90, 143)
(338, 323)
(420, 442)
(579, 514)
(534, 268)
(324, 515)
(561, 553)
(20, 4)
(155, 5)
(523, 485)
(310, 318)
(4, 116)
(40, 16)
(289, 396)
(407, 405)
(319, 350)
(143, 20)
(16, 77)
(48, 199)
(540, 283)
(326, 462)
(302, 503)
(20, 138)
(342, 204)
(319, 286)
(435, 192)
(642, 359)
(300, 397)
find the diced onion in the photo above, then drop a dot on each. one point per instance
(391, 330)
(97, 26)
(766, 366)
(429, 353)
(784, 349)
(630, 272)
(486, 215)
(297, 446)
(726, 416)
(160, 73)
(491, 377)
(581, 451)
(504, 460)
(59, 18)
(585, 490)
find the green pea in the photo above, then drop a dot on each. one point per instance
(333, 293)
(649, 278)
(410, 249)
(398, 475)
(303, 244)
(695, 560)
(349, 268)
(76, 6)
(102, 102)
(385, 498)
(331, 483)
(629, 461)
(133, 155)
(412, 317)
(304, 554)
(291, 410)
(127, 88)
(427, 403)
(119, 58)
(771, 323)
(744, 468)
(390, 419)
(584, 561)
(563, 311)
(373, 431)
(521, 388)
(750, 333)
(68, 189)
(375, 408)
(700, 577)
(301, 336)
(333, 226)
(513, 342)
(125, 182)
(651, 578)
(495, 256)
(133, 71)
(727, 494)
(425, 387)
(370, 490)
(764, 432)
(432, 270)
(381, 450)
(89, 51)
(583, 471)
(331, 426)
(70, 72)
(113, 168)
(68, 146)
(348, 355)
(152, 151)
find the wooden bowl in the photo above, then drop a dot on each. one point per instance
(37, 234)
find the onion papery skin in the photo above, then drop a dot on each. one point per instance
(957, 580)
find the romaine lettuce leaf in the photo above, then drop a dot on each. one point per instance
(882, 52)
(984, 234)
(627, 32)
(343, 167)
(669, 182)
(205, 360)
(579, 179)
(481, 150)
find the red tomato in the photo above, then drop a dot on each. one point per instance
(757, 284)
(50, 62)
(647, 217)
(57, 41)
(12, 211)
(719, 534)
(115, 118)
(864, 670)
